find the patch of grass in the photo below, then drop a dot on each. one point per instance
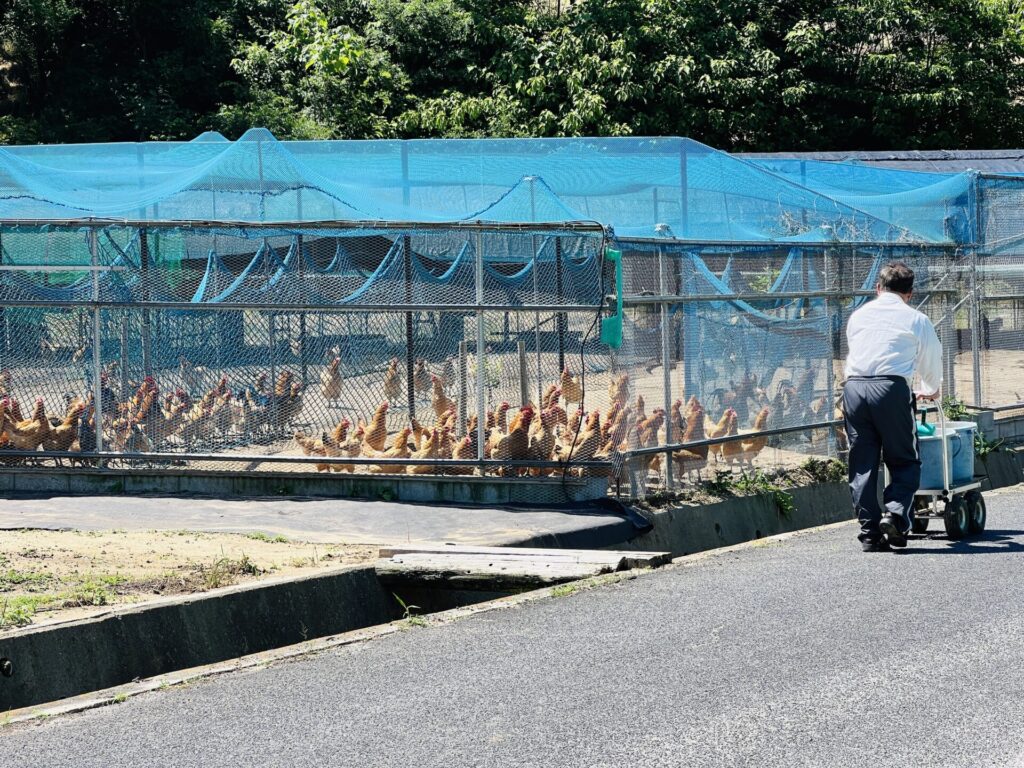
(753, 483)
(226, 571)
(18, 611)
(28, 581)
(564, 590)
(120, 697)
(261, 536)
(91, 591)
(417, 621)
(825, 470)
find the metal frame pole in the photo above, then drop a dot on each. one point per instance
(560, 317)
(975, 314)
(524, 385)
(481, 359)
(410, 333)
(147, 349)
(97, 358)
(666, 367)
(463, 386)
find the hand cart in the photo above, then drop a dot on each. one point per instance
(963, 508)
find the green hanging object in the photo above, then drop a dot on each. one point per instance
(611, 327)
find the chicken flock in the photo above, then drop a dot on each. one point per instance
(557, 431)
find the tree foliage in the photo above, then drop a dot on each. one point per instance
(737, 74)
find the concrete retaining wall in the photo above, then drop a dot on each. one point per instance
(999, 469)
(1009, 429)
(58, 661)
(687, 529)
(461, 490)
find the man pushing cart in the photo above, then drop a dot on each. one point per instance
(890, 343)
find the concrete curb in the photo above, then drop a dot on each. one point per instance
(689, 529)
(54, 661)
(412, 488)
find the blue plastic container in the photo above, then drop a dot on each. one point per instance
(930, 451)
(963, 462)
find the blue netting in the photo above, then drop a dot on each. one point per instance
(638, 187)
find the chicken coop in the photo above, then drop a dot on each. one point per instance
(577, 316)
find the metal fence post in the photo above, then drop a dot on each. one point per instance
(666, 367)
(97, 358)
(975, 313)
(481, 358)
(524, 387)
(410, 334)
(463, 386)
(147, 356)
(271, 322)
(560, 317)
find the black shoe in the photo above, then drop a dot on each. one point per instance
(893, 535)
(875, 545)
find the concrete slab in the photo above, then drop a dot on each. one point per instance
(328, 520)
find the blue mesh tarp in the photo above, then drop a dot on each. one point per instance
(640, 187)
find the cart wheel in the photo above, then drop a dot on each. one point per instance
(955, 518)
(918, 524)
(976, 512)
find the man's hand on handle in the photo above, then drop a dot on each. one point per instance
(928, 398)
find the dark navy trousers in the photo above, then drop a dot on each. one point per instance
(880, 426)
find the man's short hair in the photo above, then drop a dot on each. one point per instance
(896, 277)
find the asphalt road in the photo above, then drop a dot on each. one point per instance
(800, 653)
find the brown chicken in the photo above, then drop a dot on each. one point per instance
(331, 381)
(377, 432)
(641, 410)
(714, 431)
(283, 384)
(429, 451)
(646, 436)
(696, 458)
(552, 394)
(65, 433)
(392, 381)
(399, 450)
(610, 419)
(515, 445)
(29, 434)
(465, 449)
(421, 377)
(618, 389)
(5, 383)
(438, 399)
(313, 447)
(677, 421)
(542, 443)
(732, 450)
(288, 408)
(752, 447)
(418, 433)
(572, 388)
(342, 445)
(588, 443)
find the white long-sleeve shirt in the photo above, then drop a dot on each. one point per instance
(889, 338)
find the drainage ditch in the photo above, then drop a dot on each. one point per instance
(50, 662)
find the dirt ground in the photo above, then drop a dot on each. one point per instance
(68, 574)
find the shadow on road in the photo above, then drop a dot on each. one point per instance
(996, 542)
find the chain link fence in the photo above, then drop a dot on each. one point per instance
(470, 351)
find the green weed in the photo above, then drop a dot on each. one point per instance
(260, 536)
(564, 590)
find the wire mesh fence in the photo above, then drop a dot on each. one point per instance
(455, 352)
